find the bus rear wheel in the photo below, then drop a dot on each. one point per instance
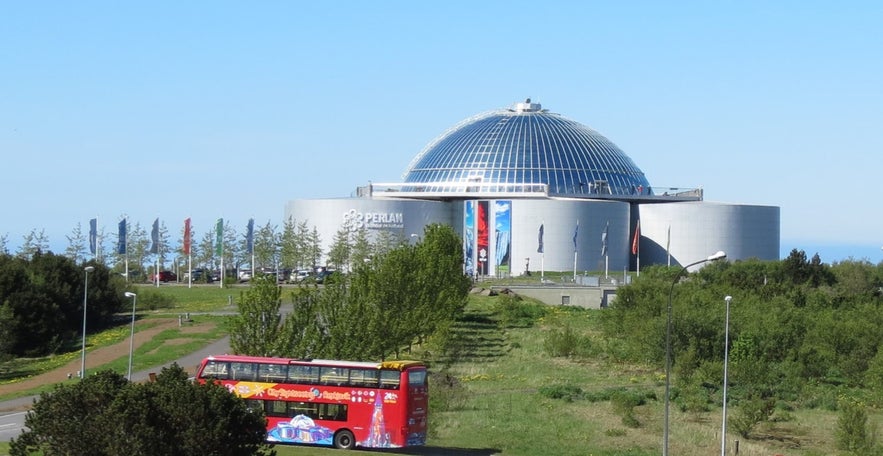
(344, 440)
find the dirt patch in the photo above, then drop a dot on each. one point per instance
(98, 357)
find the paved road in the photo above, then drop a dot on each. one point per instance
(12, 412)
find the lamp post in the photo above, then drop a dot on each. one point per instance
(134, 297)
(88, 269)
(717, 256)
(726, 356)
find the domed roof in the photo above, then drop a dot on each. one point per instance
(528, 145)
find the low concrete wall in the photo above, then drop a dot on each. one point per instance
(556, 295)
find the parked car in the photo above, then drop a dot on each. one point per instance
(327, 276)
(299, 276)
(164, 276)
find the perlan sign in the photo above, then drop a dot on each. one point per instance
(374, 220)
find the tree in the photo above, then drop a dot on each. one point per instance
(382, 305)
(265, 243)
(76, 249)
(257, 329)
(33, 242)
(105, 415)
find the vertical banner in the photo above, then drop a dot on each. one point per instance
(482, 244)
(154, 237)
(636, 242)
(469, 237)
(575, 235)
(503, 236)
(219, 238)
(249, 237)
(93, 235)
(187, 236)
(604, 239)
(540, 248)
(219, 250)
(122, 243)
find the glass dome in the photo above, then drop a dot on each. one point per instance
(527, 145)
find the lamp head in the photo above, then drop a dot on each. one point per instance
(717, 256)
(129, 294)
(89, 268)
(728, 299)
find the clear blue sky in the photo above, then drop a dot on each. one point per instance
(209, 109)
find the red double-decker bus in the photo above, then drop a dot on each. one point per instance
(324, 402)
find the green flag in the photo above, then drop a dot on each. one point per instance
(219, 241)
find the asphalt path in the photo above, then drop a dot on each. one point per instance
(13, 412)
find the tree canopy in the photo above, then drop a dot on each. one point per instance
(105, 415)
(795, 325)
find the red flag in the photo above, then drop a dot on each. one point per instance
(187, 236)
(637, 240)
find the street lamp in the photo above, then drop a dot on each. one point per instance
(726, 356)
(717, 256)
(88, 269)
(134, 297)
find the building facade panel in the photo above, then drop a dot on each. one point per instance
(681, 233)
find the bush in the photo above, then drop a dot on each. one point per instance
(515, 312)
(853, 433)
(567, 343)
(749, 414)
(566, 392)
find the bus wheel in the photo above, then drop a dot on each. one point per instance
(344, 440)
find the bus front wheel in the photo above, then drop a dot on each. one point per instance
(344, 440)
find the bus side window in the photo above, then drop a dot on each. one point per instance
(216, 369)
(273, 373)
(389, 379)
(333, 412)
(308, 375)
(242, 371)
(334, 376)
(366, 378)
(276, 408)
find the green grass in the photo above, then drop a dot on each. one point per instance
(493, 402)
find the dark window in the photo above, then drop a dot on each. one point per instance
(242, 371)
(364, 377)
(308, 375)
(390, 379)
(417, 378)
(273, 373)
(217, 370)
(334, 375)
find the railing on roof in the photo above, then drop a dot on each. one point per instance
(473, 190)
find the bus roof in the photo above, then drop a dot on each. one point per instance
(393, 364)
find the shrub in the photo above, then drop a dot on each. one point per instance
(853, 433)
(750, 413)
(515, 312)
(567, 343)
(566, 392)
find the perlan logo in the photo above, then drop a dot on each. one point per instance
(374, 220)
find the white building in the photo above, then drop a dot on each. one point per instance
(531, 189)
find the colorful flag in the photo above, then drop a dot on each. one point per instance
(249, 237)
(93, 235)
(575, 234)
(540, 244)
(637, 240)
(187, 236)
(121, 244)
(219, 237)
(154, 237)
(604, 239)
